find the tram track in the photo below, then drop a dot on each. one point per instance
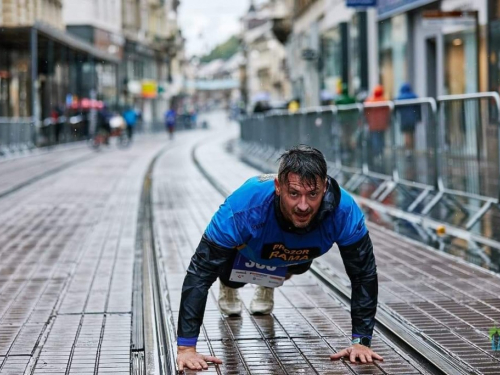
(153, 341)
(433, 358)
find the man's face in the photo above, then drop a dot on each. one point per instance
(299, 202)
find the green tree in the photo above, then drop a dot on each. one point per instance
(223, 51)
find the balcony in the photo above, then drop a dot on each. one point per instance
(282, 27)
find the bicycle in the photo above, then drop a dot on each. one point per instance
(100, 138)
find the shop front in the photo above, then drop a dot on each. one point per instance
(40, 68)
(426, 44)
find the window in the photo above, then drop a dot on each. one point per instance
(332, 60)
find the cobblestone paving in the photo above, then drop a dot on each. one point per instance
(67, 249)
(451, 303)
(307, 324)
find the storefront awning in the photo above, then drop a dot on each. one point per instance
(19, 37)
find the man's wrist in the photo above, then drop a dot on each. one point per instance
(361, 340)
(186, 348)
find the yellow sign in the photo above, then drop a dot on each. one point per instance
(149, 89)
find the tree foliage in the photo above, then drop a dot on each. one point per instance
(223, 51)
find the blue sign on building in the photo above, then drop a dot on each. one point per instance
(387, 8)
(361, 3)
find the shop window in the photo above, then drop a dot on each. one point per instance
(393, 41)
(460, 63)
(455, 65)
(332, 60)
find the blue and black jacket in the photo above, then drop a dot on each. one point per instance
(250, 221)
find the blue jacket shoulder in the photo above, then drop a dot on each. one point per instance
(255, 192)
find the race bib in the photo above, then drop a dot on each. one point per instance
(247, 271)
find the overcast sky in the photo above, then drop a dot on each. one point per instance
(206, 23)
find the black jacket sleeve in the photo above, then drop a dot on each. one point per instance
(202, 272)
(360, 266)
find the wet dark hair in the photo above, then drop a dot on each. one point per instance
(305, 161)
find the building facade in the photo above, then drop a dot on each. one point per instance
(332, 46)
(41, 65)
(265, 69)
(151, 73)
(98, 23)
(440, 47)
(144, 36)
(15, 13)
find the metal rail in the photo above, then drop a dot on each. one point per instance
(159, 333)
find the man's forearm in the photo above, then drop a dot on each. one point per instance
(201, 274)
(360, 266)
(192, 308)
(364, 305)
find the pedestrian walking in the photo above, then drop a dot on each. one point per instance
(57, 116)
(409, 116)
(103, 123)
(170, 120)
(278, 224)
(343, 97)
(130, 117)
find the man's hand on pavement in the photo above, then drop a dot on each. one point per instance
(364, 353)
(188, 357)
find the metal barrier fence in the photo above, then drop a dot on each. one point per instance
(415, 135)
(63, 130)
(448, 147)
(470, 158)
(16, 135)
(348, 136)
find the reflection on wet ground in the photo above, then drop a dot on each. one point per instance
(452, 210)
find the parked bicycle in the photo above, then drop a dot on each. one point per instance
(116, 130)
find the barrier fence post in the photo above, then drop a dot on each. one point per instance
(335, 136)
(470, 143)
